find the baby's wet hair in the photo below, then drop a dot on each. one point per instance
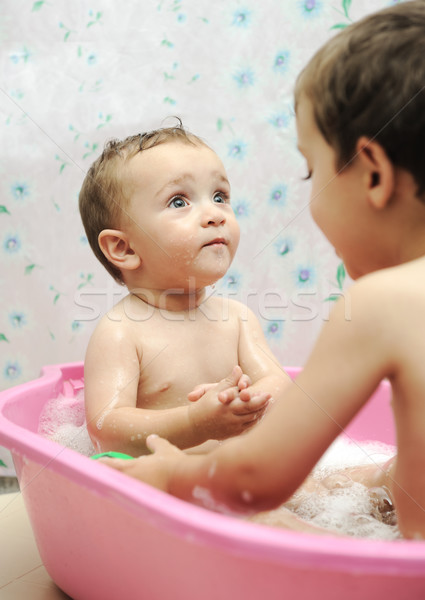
(133, 144)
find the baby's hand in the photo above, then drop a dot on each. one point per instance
(243, 382)
(220, 413)
(245, 395)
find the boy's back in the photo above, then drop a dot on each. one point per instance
(401, 314)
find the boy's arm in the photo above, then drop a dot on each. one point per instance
(114, 422)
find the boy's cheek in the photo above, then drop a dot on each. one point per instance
(316, 209)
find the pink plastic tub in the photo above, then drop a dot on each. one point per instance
(102, 535)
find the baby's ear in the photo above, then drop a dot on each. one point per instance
(116, 247)
(379, 173)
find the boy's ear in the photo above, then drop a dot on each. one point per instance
(379, 175)
(116, 247)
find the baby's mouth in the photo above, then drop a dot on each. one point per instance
(217, 242)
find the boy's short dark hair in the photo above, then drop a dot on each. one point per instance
(102, 198)
(370, 80)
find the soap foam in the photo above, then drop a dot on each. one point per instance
(63, 421)
(345, 453)
(347, 507)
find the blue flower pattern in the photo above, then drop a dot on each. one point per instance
(228, 70)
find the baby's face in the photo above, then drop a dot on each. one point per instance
(182, 225)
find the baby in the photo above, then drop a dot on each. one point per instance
(157, 213)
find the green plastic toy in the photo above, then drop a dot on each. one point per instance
(112, 455)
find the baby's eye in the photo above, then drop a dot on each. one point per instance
(221, 198)
(178, 202)
(308, 176)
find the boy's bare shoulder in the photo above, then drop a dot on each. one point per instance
(387, 287)
(386, 301)
(375, 330)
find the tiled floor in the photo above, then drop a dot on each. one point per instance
(22, 575)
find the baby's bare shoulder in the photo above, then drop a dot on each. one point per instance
(225, 305)
(114, 326)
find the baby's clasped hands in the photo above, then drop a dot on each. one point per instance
(227, 408)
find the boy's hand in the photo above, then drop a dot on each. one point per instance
(220, 412)
(154, 470)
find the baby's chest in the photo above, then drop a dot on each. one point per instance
(176, 357)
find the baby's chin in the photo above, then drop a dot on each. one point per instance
(211, 281)
(207, 277)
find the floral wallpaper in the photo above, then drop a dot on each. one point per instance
(74, 74)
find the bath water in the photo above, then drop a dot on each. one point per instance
(348, 508)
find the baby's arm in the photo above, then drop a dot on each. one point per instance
(112, 372)
(257, 361)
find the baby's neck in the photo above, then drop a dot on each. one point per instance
(170, 300)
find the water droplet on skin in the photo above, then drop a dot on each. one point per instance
(246, 496)
(205, 498)
(212, 469)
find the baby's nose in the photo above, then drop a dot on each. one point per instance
(212, 215)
